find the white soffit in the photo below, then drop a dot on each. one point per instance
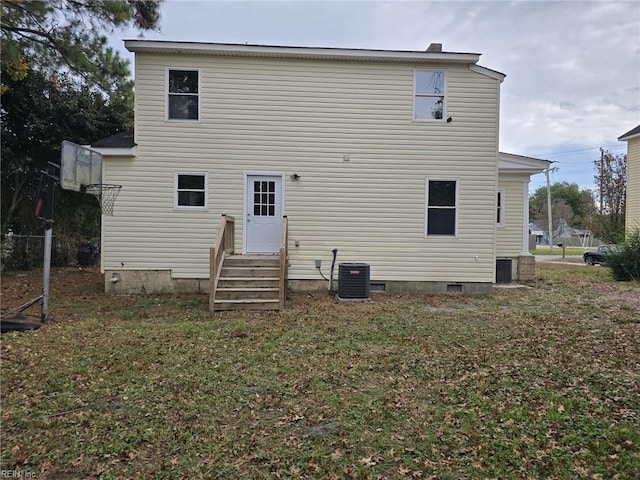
(511, 163)
(113, 152)
(487, 72)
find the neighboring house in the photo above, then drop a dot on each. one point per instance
(390, 157)
(569, 236)
(632, 214)
(539, 234)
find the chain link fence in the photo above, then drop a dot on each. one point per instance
(22, 252)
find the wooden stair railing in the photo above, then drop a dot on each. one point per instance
(223, 246)
(284, 262)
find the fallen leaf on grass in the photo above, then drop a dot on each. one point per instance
(368, 461)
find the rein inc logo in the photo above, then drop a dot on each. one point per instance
(17, 474)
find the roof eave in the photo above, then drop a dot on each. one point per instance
(154, 46)
(488, 72)
(633, 133)
(114, 151)
(519, 164)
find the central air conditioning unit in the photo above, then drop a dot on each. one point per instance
(354, 281)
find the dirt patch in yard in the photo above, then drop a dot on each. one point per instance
(68, 287)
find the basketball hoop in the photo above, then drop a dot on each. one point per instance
(106, 194)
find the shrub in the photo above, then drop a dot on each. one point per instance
(625, 262)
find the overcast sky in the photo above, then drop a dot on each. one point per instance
(573, 67)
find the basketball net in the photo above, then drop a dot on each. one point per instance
(106, 194)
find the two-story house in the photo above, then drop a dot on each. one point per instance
(632, 214)
(390, 157)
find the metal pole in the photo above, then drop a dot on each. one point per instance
(46, 270)
(601, 178)
(550, 220)
(47, 215)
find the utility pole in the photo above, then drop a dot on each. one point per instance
(550, 218)
(601, 179)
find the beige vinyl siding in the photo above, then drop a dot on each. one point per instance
(509, 235)
(299, 116)
(633, 185)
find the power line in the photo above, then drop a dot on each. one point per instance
(568, 152)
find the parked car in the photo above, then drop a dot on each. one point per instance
(599, 257)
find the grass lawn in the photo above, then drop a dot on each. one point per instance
(555, 250)
(539, 382)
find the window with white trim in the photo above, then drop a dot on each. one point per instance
(441, 207)
(190, 190)
(429, 95)
(500, 208)
(183, 97)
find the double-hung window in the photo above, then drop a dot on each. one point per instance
(190, 190)
(183, 94)
(429, 95)
(442, 207)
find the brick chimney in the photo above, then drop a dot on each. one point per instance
(435, 48)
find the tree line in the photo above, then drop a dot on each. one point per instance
(602, 210)
(61, 81)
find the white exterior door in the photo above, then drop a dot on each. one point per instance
(263, 216)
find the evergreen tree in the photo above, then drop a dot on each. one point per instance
(69, 35)
(60, 81)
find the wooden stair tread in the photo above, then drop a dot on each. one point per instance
(249, 267)
(249, 300)
(248, 289)
(247, 279)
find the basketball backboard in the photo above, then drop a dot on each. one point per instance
(79, 167)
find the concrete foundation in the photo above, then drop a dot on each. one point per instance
(526, 268)
(140, 282)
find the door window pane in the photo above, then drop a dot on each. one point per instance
(264, 201)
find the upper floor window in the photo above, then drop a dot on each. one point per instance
(429, 97)
(190, 190)
(183, 87)
(442, 207)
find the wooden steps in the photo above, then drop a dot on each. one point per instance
(248, 282)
